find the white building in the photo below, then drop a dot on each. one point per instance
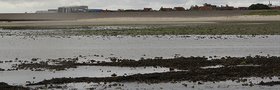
(73, 9)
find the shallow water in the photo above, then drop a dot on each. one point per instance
(222, 85)
(20, 77)
(127, 47)
(101, 48)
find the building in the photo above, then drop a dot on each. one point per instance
(132, 10)
(73, 9)
(227, 7)
(165, 9)
(194, 7)
(208, 7)
(273, 7)
(52, 10)
(179, 9)
(147, 9)
(243, 8)
(121, 10)
(48, 11)
(205, 6)
(96, 10)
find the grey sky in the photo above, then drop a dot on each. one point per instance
(11, 6)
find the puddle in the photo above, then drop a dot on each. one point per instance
(250, 65)
(211, 67)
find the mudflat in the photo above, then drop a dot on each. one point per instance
(153, 50)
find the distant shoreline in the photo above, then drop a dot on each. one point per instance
(140, 21)
(130, 18)
(77, 16)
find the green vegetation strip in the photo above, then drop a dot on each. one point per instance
(265, 12)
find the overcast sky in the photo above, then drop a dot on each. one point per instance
(14, 6)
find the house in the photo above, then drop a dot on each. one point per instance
(179, 9)
(95, 10)
(48, 11)
(275, 8)
(227, 7)
(45, 12)
(165, 9)
(243, 8)
(132, 10)
(204, 7)
(73, 9)
(208, 7)
(147, 9)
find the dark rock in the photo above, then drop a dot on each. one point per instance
(5, 86)
(269, 83)
(114, 75)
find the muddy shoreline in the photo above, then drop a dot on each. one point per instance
(162, 52)
(191, 69)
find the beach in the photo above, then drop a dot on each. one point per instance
(213, 50)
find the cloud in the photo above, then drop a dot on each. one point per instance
(34, 5)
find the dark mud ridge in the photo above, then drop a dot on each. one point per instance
(232, 68)
(269, 83)
(5, 86)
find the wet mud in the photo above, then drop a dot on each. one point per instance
(190, 69)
